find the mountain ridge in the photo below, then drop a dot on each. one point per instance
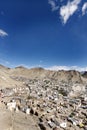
(41, 73)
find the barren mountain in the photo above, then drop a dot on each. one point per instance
(41, 73)
(84, 74)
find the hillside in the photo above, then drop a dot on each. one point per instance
(42, 99)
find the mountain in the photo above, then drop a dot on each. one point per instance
(8, 75)
(41, 73)
(84, 74)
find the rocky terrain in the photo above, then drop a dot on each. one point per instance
(39, 99)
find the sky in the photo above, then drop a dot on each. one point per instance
(44, 33)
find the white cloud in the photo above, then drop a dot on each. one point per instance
(53, 5)
(56, 68)
(84, 8)
(68, 10)
(3, 33)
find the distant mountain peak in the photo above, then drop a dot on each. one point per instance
(20, 67)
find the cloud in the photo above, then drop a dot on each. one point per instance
(56, 68)
(54, 7)
(84, 7)
(3, 33)
(68, 10)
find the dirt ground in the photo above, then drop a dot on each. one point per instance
(16, 121)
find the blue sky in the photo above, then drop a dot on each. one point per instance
(43, 33)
